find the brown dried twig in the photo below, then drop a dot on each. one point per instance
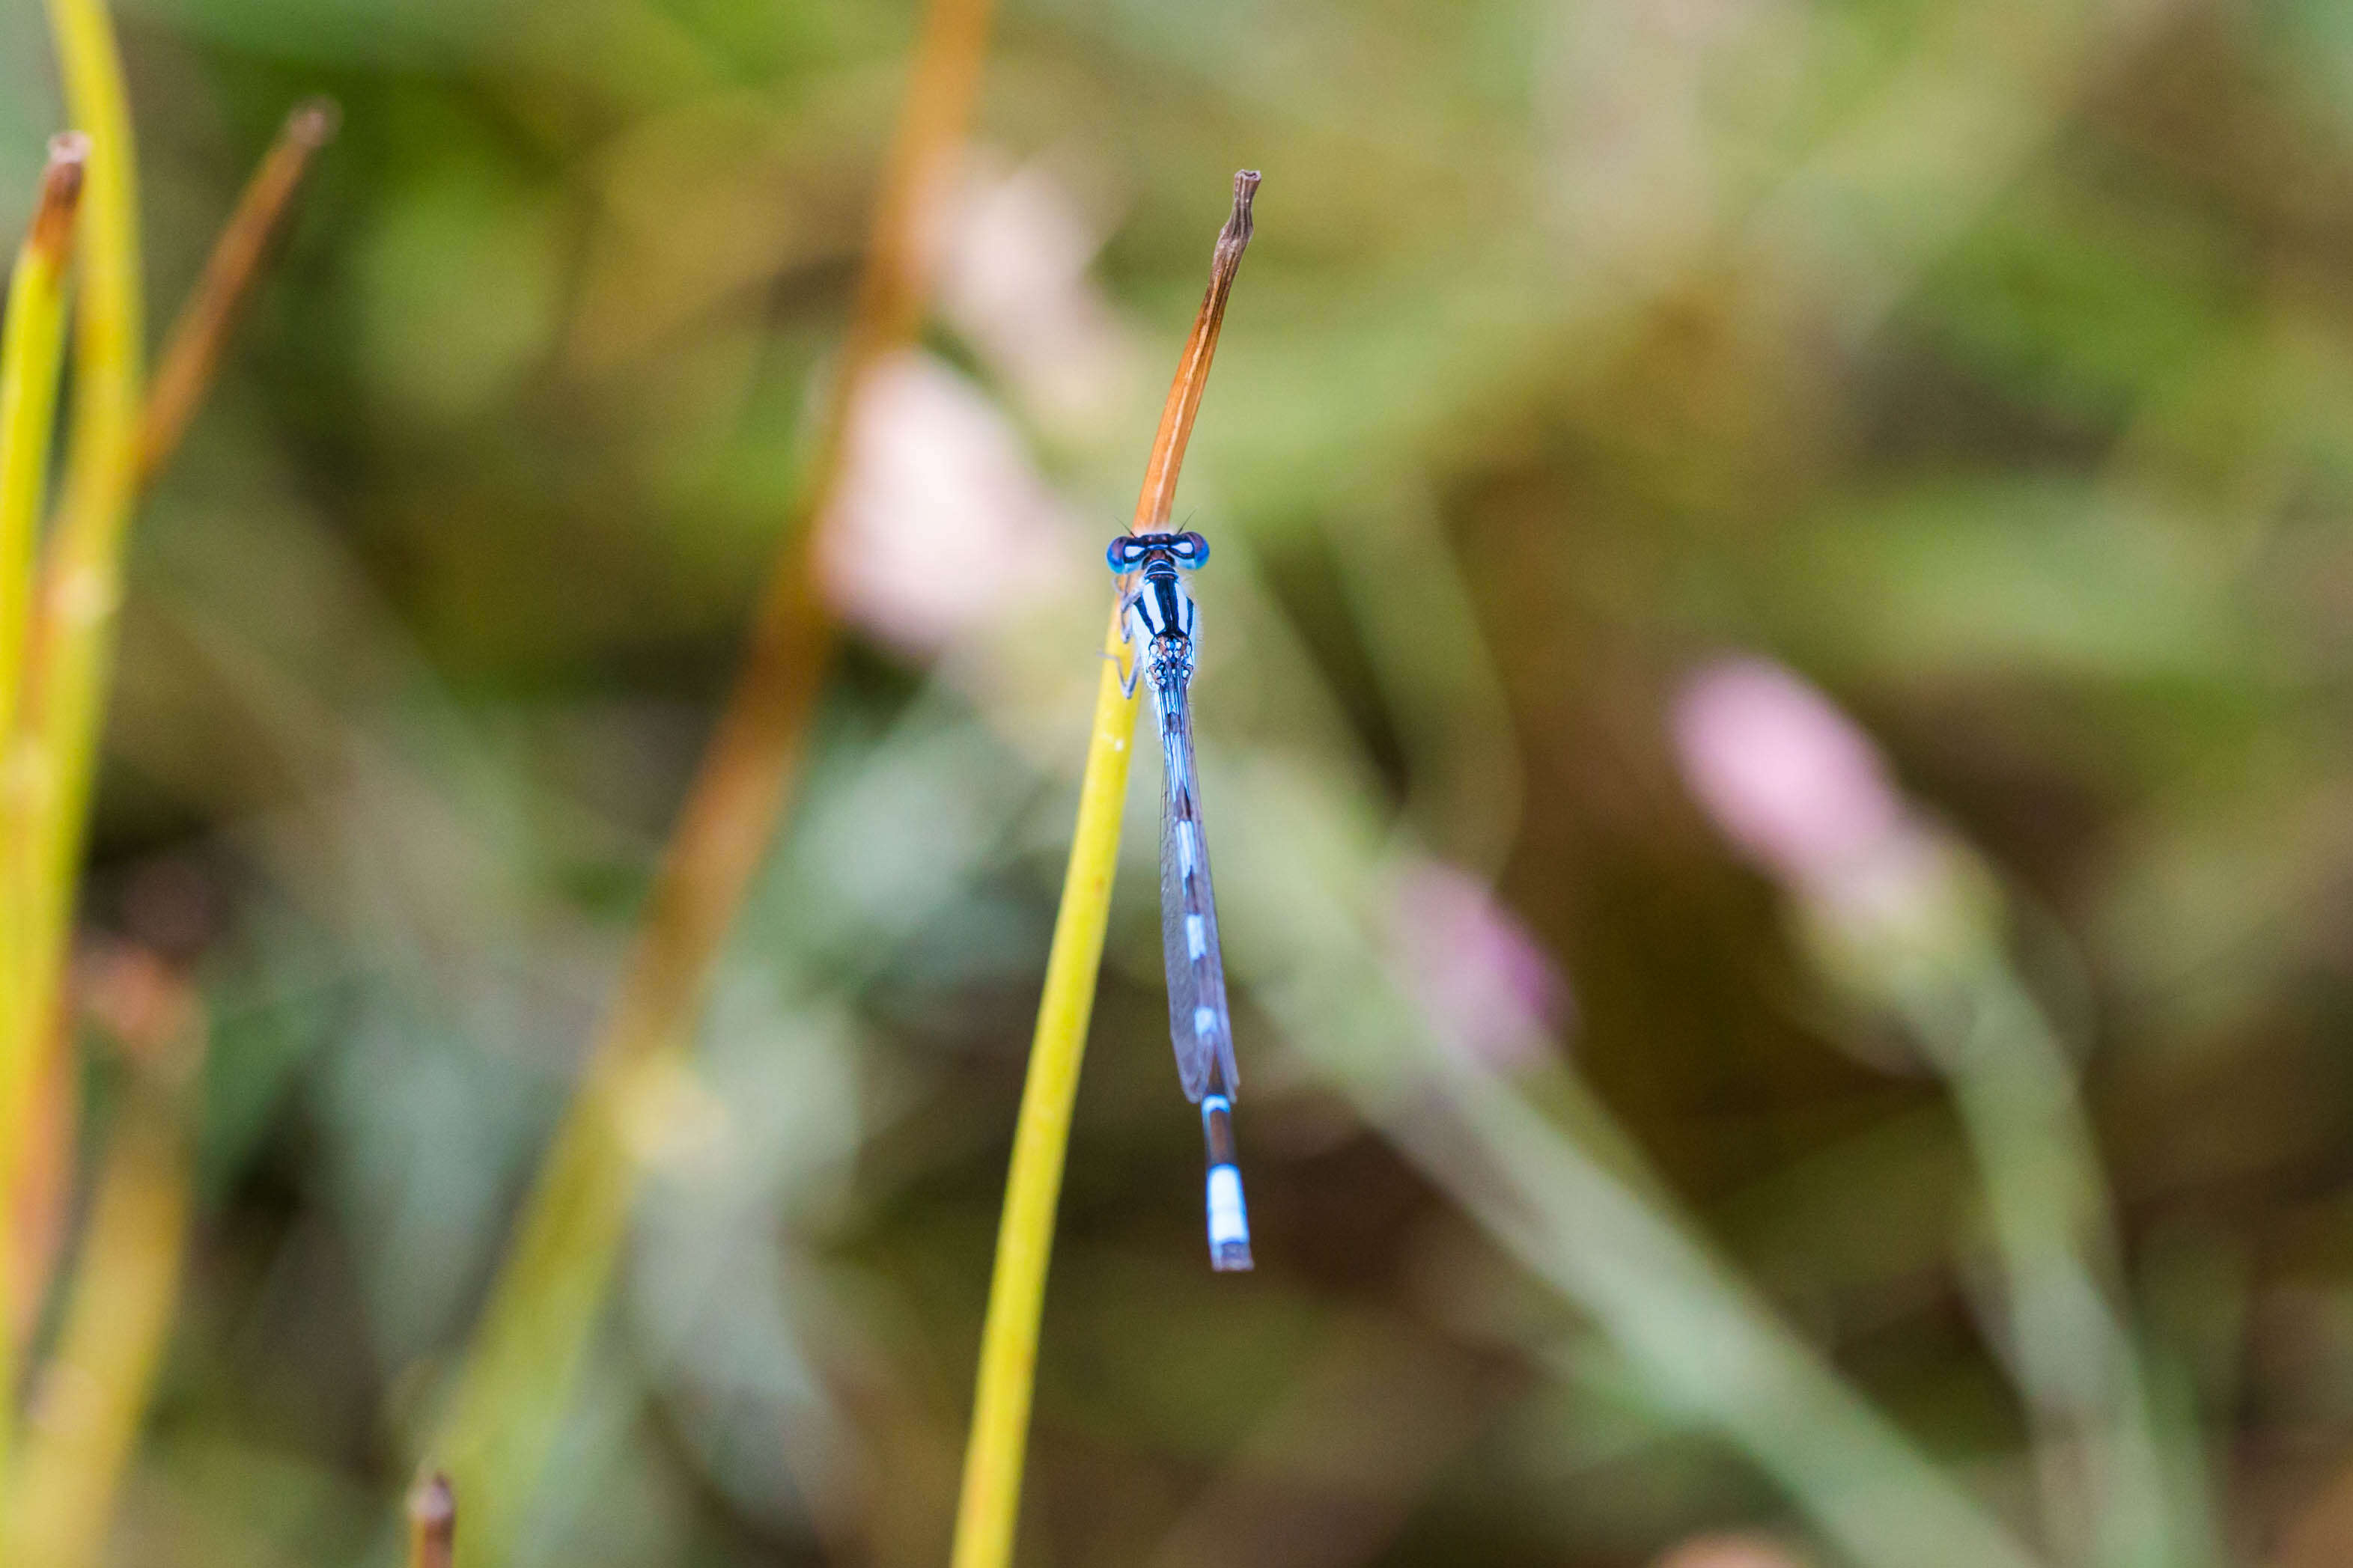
(432, 1522)
(1158, 497)
(193, 355)
(519, 1371)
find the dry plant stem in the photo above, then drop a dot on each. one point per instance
(432, 1522)
(32, 353)
(544, 1303)
(989, 1506)
(738, 793)
(1159, 496)
(191, 356)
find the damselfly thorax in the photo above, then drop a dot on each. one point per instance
(1161, 619)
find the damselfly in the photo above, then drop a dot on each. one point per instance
(1161, 623)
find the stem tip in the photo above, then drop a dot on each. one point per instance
(433, 1508)
(314, 121)
(61, 184)
(1236, 235)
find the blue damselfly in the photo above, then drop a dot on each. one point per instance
(1162, 623)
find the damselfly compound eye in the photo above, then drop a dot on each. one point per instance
(1190, 549)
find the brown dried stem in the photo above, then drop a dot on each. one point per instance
(1159, 494)
(432, 1522)
(53, 214)
(193, 355)
(739, 792)
(518, 1374)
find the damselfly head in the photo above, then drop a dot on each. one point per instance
(1130, 550)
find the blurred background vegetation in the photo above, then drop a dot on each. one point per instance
(1989, 366)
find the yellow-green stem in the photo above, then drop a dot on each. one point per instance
(32, 353)
(46, 754)
(990, 1504)
(118, 1312)
(53, 748)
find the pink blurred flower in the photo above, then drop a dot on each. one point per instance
(1884, 894)
(1480, 978)
(1742, 1550)
(942, 523)
(1017, 284)
(1788, 777)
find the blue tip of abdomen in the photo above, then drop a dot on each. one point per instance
(1229, 1220)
